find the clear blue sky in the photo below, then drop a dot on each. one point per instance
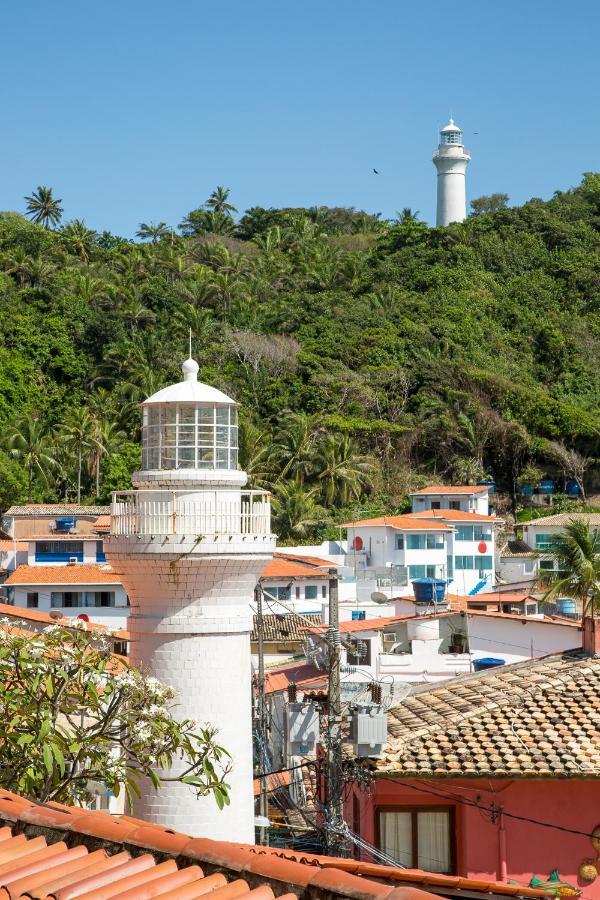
(135, 110)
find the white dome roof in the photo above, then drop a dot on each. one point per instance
(190, 390)
(450, 127)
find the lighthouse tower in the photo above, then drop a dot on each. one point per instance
(451, 160)
(190, 546)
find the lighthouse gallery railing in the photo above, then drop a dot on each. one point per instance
(148, 512)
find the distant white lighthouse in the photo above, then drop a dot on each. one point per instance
(190, 546)
(451, 160)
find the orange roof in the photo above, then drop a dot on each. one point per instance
(350, 625)
(453, 489)
(274, 781)
(454, 515)
(80, 573)
(406, 522)
(10, 545)
(494, 614)
(303, 674)
(89, 854)
(285, 568)
(309, 560)
(102, 522)
(43, 618)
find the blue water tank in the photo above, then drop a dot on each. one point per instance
(572, 489)
(566, 606)
(546, 486)
(429, 590)
(359, 615)
(487, 662)
(491, 485)
(65, 523)
(526, 489)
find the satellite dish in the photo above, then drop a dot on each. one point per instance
(380, 597)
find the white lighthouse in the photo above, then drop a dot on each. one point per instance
(190, 546)
(451, 160)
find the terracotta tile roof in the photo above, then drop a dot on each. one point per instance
(406, 522)
(102, 522)
(287, 568)
(37, 616)
(546, 620)
(58, 852)
(273, 782)
(352, 625)
(454, 515)
(317, 561)
(10, 545)
(57, 509)
(80, 573)
(452, 489)
(305, 675)
(563, 519)
(285, 628)
(534, 719)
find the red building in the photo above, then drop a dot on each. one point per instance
(493, 776)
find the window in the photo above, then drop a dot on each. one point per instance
(33, 599)
(454, 504)
(297, 593)
(281, 593)
(323, 590)
(431, 571)
(543, 541)
(484, 563)
(70, 599)
(482, 533)
(415, 542)
(100, 554)
(399, 542)
(546, 565)
(531, 609)
(65, 599)
(58, 551)
(360, 654)
(187, 437)
(450, 567)
(419, 837)
(311, 592)
(434, 542)
(464, 532)
(435, 504)
(416, 572)
(463, 562)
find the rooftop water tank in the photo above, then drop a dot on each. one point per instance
(65, 523)
(526, 490)
(546, 486)
(487, 662)
(572, 489)
(566, 606)
(490, 485)
(429, 590)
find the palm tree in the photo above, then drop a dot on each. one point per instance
(219, 201)
(28, 441)
(79, 239)
(151, 232)
(43, 207)
(295, 445)
(107, 438)
(577, 575)
(295, 512)
(79, 435)
(343, 472)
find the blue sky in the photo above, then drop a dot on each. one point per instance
(135, 110)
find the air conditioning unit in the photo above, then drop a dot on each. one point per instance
(72, 561)
(369, 730)
(301, 728)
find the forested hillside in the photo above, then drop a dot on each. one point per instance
(368, 357)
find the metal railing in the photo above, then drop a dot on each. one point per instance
(162, 512)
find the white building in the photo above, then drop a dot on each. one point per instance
(189, 546)
(451, 160)
(539, 533)
(449, 535)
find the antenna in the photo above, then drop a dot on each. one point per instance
(190, 356)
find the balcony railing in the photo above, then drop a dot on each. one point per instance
(148, 512)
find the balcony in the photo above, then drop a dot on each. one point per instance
(203, 512)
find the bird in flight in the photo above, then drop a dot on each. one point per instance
(375, 171)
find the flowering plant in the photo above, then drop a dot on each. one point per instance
(76, 715)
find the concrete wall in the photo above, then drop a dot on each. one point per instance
(111, 616)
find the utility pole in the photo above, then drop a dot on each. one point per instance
(261, 711)
(334, 808)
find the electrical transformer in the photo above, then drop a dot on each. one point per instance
(301, 728)
(369, 730)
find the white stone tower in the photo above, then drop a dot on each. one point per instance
(451, 160)
(190, 546)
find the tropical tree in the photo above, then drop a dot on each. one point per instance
(343, 472)
(295, 512)
(296, 445)
(79, 239)
(577, 574)
(107, 438)
(29, 442)
(80, 436)
(219, 201)
(43, 207)
(78, 715)
(148, 231)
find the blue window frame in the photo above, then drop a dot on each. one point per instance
(463, 562)
(482, 533)
(311, 592)
(484, 563)
(416, 572)
(58, 551)
(543, 541)
(415, 541)
(435, 542)
(464, 532)
(100, 554)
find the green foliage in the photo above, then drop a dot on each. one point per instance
(368, 356)
(74, 714)
(577, 553)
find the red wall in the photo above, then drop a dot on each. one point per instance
(530, 849)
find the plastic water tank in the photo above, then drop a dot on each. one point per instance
(572, 489)
(546, 486)
(490, 485)
(429, 590)
(65, 523)
(566, 606)
(526, 490)
(487, 662)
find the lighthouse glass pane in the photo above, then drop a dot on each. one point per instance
(187, 458)
(222, 436)
(187, 436)
(223, 416)
(187, 415)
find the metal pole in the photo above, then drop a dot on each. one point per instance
(334, 805)
(261, 710)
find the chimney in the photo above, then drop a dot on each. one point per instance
(591, 636)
